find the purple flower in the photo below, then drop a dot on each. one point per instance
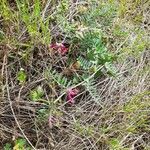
(60, 47)
(51, 121)
(71, 93)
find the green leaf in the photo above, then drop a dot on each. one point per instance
(114, 143)
(36, 10)
(110, 68)
(21, 76)
(1, 35)
(58, 78)
(20, 142)
(8, 146)
(37, 94)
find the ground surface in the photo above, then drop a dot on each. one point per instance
(74, 74)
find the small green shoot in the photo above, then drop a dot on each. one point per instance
(115, 144)
(36, 94)
(21, 144)
(21, 76)
(7, 146)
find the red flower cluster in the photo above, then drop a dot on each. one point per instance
(60, 47)
(71, 93)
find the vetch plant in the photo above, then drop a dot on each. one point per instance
(60, 47)
(71, 93)
(95, 53)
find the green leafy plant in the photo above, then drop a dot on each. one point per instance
(21, 144)
(7, 146)
(84, 63)
(110, 68)
(91, 87)
(21, 76)
(79, 103)
(58, 78)
(115, 144)
(36, 24)
(37, 94)
(95, 53)
(42, 114)
(98, 13)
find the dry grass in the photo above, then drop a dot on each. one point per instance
(119, 122)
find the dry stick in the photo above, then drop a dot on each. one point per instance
(3, 66)
(10, 102)
(2, 73)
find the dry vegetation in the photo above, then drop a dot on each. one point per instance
(104, 56)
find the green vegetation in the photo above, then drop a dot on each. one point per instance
(74, 74)
(18, 145)
(21, 76)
